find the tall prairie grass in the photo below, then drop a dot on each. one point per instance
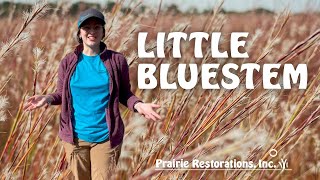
(198, 124)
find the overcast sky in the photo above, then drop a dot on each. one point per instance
(229, 5)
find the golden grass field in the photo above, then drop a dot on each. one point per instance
(202, 124)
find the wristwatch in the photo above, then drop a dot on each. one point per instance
(134, 109)
(49, 102)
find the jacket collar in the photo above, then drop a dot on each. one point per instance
(103, 53)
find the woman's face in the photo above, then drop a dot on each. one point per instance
(91, 32)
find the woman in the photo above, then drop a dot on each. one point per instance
(92, 81)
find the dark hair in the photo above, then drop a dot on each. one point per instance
(79, 37)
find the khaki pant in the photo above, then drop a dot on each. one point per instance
(94, 161)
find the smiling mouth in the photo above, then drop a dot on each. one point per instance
(92, 38)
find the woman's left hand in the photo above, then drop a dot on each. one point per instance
(146, 109)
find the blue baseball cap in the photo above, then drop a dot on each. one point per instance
(90, 13)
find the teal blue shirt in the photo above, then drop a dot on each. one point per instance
(90, 95)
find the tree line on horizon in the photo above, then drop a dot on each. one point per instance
(6, 7)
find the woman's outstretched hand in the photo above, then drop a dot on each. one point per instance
(146, 109)
(35, 102)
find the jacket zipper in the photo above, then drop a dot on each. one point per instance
(108, 106)
(70, 99)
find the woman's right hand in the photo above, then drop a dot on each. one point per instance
(36, 101)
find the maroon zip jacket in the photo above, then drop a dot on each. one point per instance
(118, 70)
